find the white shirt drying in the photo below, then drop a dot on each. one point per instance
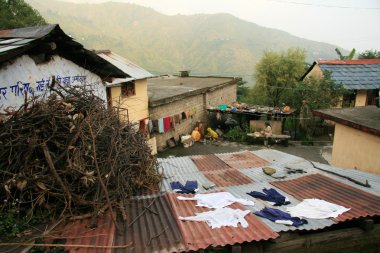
(217, 200)
(221, 217)
(316, 209)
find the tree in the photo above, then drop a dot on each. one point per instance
(370, 54)
(242, 90)
(347, 57)
(312, 94)
(319, 93)
(17, 13)
(279, 72)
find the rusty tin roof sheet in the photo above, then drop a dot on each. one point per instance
(198, 235)
(362, 203)
(227, 177)
(243, 160)
(209, 162)
(98, 232)
(150, 227)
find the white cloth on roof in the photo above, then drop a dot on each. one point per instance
(221, 217)
(217, 200)
(316, 209)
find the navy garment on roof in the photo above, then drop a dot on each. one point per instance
(275, 214)
(270, 195)
(189, 187)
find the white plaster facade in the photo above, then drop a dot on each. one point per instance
(22, 75)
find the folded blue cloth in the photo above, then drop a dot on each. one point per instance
(275, 215)
(270, 195)
(189, 187)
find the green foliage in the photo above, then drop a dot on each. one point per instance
(350, 56)
(17, 13)
(319, 93)
(370, 54)
(16, 220)
(236, 134)
(242, 90)
(279, 72)
(217, 44)
(256, 95)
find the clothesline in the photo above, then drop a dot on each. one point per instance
(165, 124)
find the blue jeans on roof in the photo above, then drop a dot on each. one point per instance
(270, 195)
(275, 214)
(189, 187)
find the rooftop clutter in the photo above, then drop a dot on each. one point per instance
(78, 159)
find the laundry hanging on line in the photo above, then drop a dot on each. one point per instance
(183, 115)
(216, 200)
(316, 209)
(161, 125)
(189, 187)
(270, 195)
(220, 217)
(166, 124)
(280, 217)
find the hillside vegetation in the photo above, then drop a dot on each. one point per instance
(218, 44)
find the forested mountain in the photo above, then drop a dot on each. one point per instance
(217, 44)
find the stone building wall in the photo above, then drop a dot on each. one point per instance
(196, 105)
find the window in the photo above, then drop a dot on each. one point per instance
(128, 89)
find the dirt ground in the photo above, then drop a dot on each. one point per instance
(318, 153)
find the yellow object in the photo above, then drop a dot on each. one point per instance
(214, 135)
(286, 109)
(196, 135)
(269, 171)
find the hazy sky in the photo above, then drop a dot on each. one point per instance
(346, 23)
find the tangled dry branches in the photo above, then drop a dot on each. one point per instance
(71, 156)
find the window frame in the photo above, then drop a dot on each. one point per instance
(128, 89)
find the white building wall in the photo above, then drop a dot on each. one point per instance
(22, 75)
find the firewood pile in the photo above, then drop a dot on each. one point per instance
(72, 157)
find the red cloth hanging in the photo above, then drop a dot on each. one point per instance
(166, 124)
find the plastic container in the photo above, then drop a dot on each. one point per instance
(223, 107)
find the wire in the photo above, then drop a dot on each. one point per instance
(327, 6)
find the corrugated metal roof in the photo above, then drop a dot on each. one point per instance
(227, 177)
(20, 40)
(181, 169)
(362, 203)
(243, 160)
(28, 32)
(198, 235)
(152, 224)
(128, 67)
(99, 232)
(277, 157)
(240, 191)
(279, 160)
(176, 165)
(150, 227)
(209, 162)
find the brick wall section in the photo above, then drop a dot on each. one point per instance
(195, 104)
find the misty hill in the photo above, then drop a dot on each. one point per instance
(218, 44)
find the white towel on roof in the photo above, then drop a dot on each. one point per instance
(221, 217)
(316, 209)
(217, 200)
